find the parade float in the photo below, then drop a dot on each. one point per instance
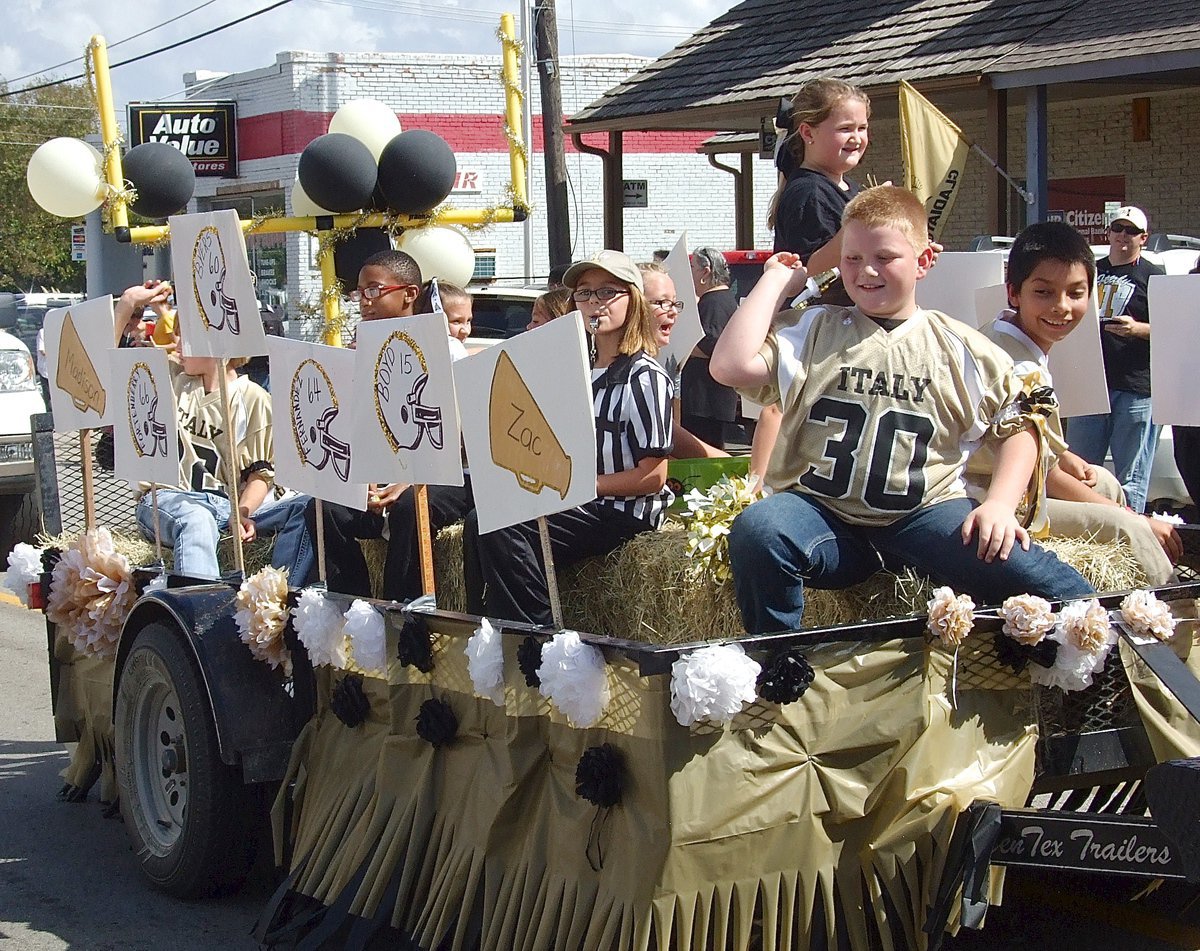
(642, 773)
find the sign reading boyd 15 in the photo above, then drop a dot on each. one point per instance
(206, 132)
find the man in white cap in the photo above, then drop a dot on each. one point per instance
(1122, 279)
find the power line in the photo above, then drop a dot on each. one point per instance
(76, 59)
(161, 49)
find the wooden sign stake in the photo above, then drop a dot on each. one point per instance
(320, 545)
(551, 577)
(89, 489)
(424, 538)
(235, 521)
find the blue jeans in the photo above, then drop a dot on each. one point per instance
(1127, 432)
(192, 524)
(787, 540)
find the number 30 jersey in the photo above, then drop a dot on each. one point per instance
(878, 423)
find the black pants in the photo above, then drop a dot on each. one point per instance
(1187, 458)
(504, 571)
(346, 568)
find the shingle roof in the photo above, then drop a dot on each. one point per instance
(763, 49)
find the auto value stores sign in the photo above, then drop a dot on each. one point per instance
(206, 132)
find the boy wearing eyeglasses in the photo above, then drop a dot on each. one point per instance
(1126, 430)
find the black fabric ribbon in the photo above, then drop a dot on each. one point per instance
(436, 723)
(785, 677)
(1017, 656)
(413, 647)
(529, 660)
(349, 702)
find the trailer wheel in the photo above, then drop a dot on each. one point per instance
(186, 812)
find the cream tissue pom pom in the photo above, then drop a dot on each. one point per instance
(319, 626)
(364, 627)
(713, 683)
(262, 615)
(24, 568)
(574, 678)
(485, 662)
(1084, 639)
(1148, 616)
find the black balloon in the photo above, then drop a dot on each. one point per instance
(416, 172)
(348, 255)
(163, 177)
(337, 172)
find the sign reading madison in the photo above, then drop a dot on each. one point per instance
(206, 132)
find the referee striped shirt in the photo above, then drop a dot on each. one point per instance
(632, 402)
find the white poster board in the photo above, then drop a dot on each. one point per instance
(78, 341)
(950, 285)
(989, 303)
(687, 331)
(214, 290)
(406, 427)
(312, 406)
(530, 432)
(145, 420)
(1174, 302)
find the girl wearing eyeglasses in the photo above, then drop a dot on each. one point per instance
(631, 397)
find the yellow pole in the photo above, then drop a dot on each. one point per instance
(329, 301)
(113, 173)
(512, 109)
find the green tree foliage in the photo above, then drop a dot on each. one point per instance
(35, 247)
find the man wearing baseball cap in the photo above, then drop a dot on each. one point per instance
(1122, 280)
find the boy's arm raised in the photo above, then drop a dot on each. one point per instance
(735, 361)
(995, 518)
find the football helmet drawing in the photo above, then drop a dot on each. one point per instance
(217, 309)
(149, 432)
(401, 376)
(314, 409)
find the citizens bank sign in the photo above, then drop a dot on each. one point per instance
(206, 132)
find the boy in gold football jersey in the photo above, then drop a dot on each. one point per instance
(882, 403)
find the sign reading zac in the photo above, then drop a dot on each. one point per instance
(206, 132)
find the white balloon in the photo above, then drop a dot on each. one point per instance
(302, 205)
(66, 177)
(372, 122)
(441, 252)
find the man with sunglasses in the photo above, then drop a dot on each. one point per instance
(1126, 430)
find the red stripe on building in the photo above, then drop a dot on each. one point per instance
(287, 133)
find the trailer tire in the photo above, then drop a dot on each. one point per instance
(187, 813)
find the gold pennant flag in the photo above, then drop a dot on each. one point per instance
(935, 156)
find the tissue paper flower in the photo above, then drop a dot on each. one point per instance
(1085, 639)
(24, 568)
(574, 678)
(485, 662)
(319, 627)
(951, 617)
(261, 616)
(91, 593)
(1027, 618)
(368, 646)
(712, 683)
(1148, 616)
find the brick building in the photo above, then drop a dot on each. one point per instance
(282, 107)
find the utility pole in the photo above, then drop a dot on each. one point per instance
(558, 221)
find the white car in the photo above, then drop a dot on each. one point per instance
(20, 398)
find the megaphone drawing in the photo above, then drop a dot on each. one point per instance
(76, 375)
(522, 440)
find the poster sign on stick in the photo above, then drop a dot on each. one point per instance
(949, 286)
(408, 429)
(214, 290)
(311, 387)
(687, 331)
(531, 443)
(1174, 348)
(79, 340)
(1077, 365)
(145, 421)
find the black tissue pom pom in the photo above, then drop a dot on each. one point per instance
(785, 677)
(413, 647)
(436, 723)
(529, 659)
(600, 775)
(349, 702)
(1015, 655)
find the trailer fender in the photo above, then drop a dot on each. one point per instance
(256, 711)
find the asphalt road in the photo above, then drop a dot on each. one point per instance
(68, 879)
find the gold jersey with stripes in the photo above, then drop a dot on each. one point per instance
(879, 423)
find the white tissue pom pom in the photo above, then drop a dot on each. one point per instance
(574, 678)
(1148, 616)
(1169, 517)
(24, 568)
(485, 662)
(713, 683)
(1084, 641)
(319, 625)
(364, 627)
(157, 582)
